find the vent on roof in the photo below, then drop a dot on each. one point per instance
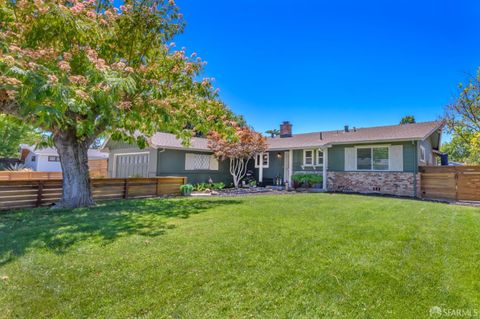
(346, 129)
(321, 135)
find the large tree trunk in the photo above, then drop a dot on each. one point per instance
(76, 179)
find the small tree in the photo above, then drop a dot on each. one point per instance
(14, 133)
(408, 119)
(463, 120)
(78, 69)
(273, 133)
(239, 149)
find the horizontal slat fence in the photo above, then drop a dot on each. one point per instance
(44, 192)
(22, 176)
(451, 182)
(97, 168)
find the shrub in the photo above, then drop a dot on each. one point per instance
(186, 189)
(306, 179)
(200, 187)
(218, 185)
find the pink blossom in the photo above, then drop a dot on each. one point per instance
(124, 105)
(52, 78)
(14, 48)
(92, 14)
(64, 66)
(10, 81)
(78, 79)
(82, 94)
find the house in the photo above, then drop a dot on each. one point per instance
(47, 160)
(382, 159)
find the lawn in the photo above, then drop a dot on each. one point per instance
(288, 256)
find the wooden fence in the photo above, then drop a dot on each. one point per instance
(44, 192)
(451, 182)
(97, 168)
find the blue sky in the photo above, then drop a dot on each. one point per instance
(323, 64)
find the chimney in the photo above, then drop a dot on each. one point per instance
(346, 129)
(286, 129)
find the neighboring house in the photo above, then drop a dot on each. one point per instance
(368, 160)
(47, 159)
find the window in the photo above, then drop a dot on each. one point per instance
(200, 162)
(422, 154)
(54, 158)
(265, 160)
(364, 159)
(319, 158)
(373, 158)
(34, 158)
(380, 159)
(308, 157)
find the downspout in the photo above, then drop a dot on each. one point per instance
(415, 169)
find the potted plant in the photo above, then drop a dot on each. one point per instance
(186, 189)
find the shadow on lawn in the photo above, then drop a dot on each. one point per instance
(58, 230)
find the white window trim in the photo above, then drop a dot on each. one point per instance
(424, 152)
(114, 166)
(304, 158)
(257, 164)
(372, 147)
(316, 158)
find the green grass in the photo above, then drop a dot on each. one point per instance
(290, 256)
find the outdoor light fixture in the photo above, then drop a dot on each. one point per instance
(279, 155)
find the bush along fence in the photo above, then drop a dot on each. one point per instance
(36, 193)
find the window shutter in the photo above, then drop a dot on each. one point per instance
(213, 163)
(350, 155)
(396, 158)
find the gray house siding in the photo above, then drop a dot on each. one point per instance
(172, 163)
(275, 168)
(428, 146)
(336, 156)
(119, 148)
(297, 164)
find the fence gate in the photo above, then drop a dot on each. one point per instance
(131, 165)
(451, 182)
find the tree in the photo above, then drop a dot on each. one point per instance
(408, 119)
(463, 120)
(457, 150)
(238, 149)
(273, 133)
(80, 69)
(13, 134)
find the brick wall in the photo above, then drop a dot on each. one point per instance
(390, 183)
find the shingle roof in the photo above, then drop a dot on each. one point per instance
(166, 140)
(403, 132)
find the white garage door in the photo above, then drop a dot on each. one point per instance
(131, 165)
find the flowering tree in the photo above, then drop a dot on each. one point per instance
(81, 68)
(239, 149)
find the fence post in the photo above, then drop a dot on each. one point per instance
(125, 193)
(39, 194)
(456, 184)
(157, 191)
